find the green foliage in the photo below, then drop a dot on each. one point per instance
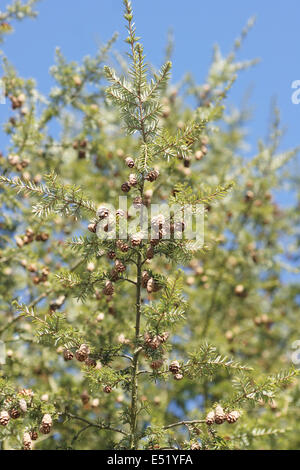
(117, 362)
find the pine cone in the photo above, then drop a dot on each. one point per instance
(82, 353)
(102, 212)
(145, 278)
(152, 342)
(210, 418)
(150, 285)
(150, 252)
(114, 275)
(107, 389)
(80, 356)
(85, 398)
(233, 416)
(125, 187)
(136, 240)
(164, 337)
(129, 162)
(132, 180)
(27, 442)
(152, 175)
(137, 202)
(90, 362)
(109, 288)
(68, 355)
(220, 416)
(33, 435)
(46, 425)
(249, 196)
(23, 405)
(92, 228)
(122, 246)
(178, 377)
(156, 364)
(195, 446)
(14, 413)
(120, 267)
(111, 254)
(26, 392)
(4, 418)
(240, 291)
(174, 367)
(42, 237)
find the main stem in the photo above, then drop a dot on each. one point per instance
(134, 381)
(134, 440)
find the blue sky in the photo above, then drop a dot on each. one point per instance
(78, 27)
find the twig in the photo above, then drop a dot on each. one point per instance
(185, 423)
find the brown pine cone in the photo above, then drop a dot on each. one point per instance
(129, 162)
(145, 278)
(114, 275)
(82, 353)
(150, 252)
(152, 342)
(26, 392)
(102, 212)
(132, 180)
(152, 175)
(27, 442)
(107, 389)
(14, 413)
(46, 425)
(178, 377)
(136, 240)
(125, 187)
(174, 367)
(156, 364)
(240, 291)
(137, 202)
(249, 196)
(90, 362)
(122, 246)
(164, 337)
(199, 155)
(68, 355)
(4, 418)
(108, 288)
(33, 435)
(120, 267)
(150, 285)
(210, 418)
(111, 254)
(195, 446)
(85, 398)
(23, 405)
(233, 416)
(220, 416)
(92, 228)
(42, 237)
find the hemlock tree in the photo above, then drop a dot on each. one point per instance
(143, 343)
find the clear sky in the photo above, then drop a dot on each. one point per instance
(78, 26)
